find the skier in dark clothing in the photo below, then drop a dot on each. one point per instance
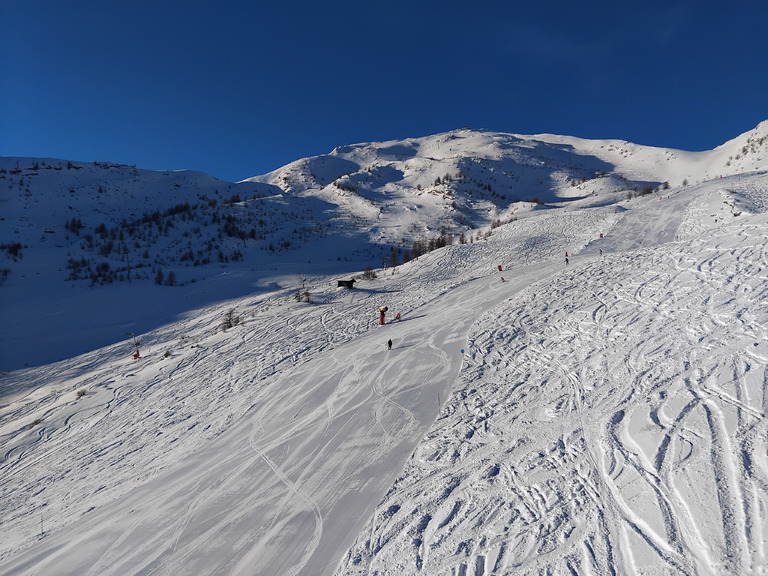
(389, 344)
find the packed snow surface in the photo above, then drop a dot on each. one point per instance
(605, 416)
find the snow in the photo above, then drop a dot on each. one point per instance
(604, 421)
(601, 417)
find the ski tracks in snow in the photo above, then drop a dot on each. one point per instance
(606, 419)
(613, 420)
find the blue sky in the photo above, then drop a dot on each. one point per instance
(237, 89)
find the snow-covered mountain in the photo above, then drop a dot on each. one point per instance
(605, 416)
(159, 243)
(468, 178)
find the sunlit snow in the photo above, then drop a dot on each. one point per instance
(604, 416)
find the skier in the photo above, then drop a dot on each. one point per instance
(502, 279)
(397, 317)
(566, 261)
(389, 344)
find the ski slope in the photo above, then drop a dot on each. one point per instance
(609, 421)
(604, 417)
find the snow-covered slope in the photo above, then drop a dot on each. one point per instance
(609, 420)
(601, 417)
(469, 178)
(156, 244)
(745, 153)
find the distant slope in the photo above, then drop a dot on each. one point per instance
(135, 248)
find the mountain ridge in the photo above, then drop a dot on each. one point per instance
(185, 236)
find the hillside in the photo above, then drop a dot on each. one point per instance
(598, 417)
(159, 243)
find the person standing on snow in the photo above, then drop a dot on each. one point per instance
(389, 344)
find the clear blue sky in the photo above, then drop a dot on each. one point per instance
(237, 89)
